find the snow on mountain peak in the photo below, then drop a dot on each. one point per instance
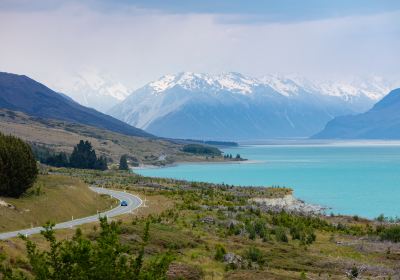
(95, 90)
(372, 88)
(194, 81)
(282, 85)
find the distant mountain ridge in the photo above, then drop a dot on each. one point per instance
(93, 89)
(21, 93)
(380, 122)
(232, 106)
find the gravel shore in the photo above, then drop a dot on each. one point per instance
(289, 204)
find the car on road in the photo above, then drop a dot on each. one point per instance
(124, 203)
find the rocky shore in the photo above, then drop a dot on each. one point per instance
(290, 204)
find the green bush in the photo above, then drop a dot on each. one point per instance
(219, 252)
(280, 234)
(391, 233)
(254, 254)
(18, 170)
(106, 258)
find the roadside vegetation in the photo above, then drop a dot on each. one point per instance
(216, 231)
(53, 197)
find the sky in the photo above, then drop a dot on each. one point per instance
(135, 42)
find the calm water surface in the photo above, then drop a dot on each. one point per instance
(362, 180)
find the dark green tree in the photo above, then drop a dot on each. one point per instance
(83, 156)
(101, 163)
(18, 169)
(57, 160)
(123, 163)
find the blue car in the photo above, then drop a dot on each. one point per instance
(124, 203)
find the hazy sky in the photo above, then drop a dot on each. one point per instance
(138, 41)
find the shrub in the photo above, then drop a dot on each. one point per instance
(219, 252)
(391, 234)
(82, 258)
(254, 254)
(280, 234)
(18, 170)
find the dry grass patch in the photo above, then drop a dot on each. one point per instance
(55, 198)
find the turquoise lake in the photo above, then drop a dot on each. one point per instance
(350, 179)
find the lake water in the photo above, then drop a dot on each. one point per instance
(351, 179)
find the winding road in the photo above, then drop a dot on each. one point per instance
(132, 201)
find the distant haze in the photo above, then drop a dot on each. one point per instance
(135, 42)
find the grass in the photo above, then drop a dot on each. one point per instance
(54, 198)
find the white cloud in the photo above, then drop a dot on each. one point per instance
(136, 46)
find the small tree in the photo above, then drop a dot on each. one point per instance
(18, 170)
(123, 163)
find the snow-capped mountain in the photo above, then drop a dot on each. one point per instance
(234, 106)
(94, 90)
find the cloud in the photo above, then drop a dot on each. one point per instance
(136, 44)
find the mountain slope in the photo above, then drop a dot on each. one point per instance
(20, 93)
(94, 90)
(233, 106)
(62, 136)
(381, 122)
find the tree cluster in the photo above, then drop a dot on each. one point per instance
(83, 157)
(201, 150)
(18, 170)
(229, 156)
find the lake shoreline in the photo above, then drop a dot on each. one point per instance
(178, 163)
(350, 180)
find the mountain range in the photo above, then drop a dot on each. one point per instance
(237, 107)
(380, 122)
(21, 93)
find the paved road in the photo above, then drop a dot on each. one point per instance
(132, 200)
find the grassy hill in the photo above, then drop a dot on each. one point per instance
(62, 136)
(53, 198)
